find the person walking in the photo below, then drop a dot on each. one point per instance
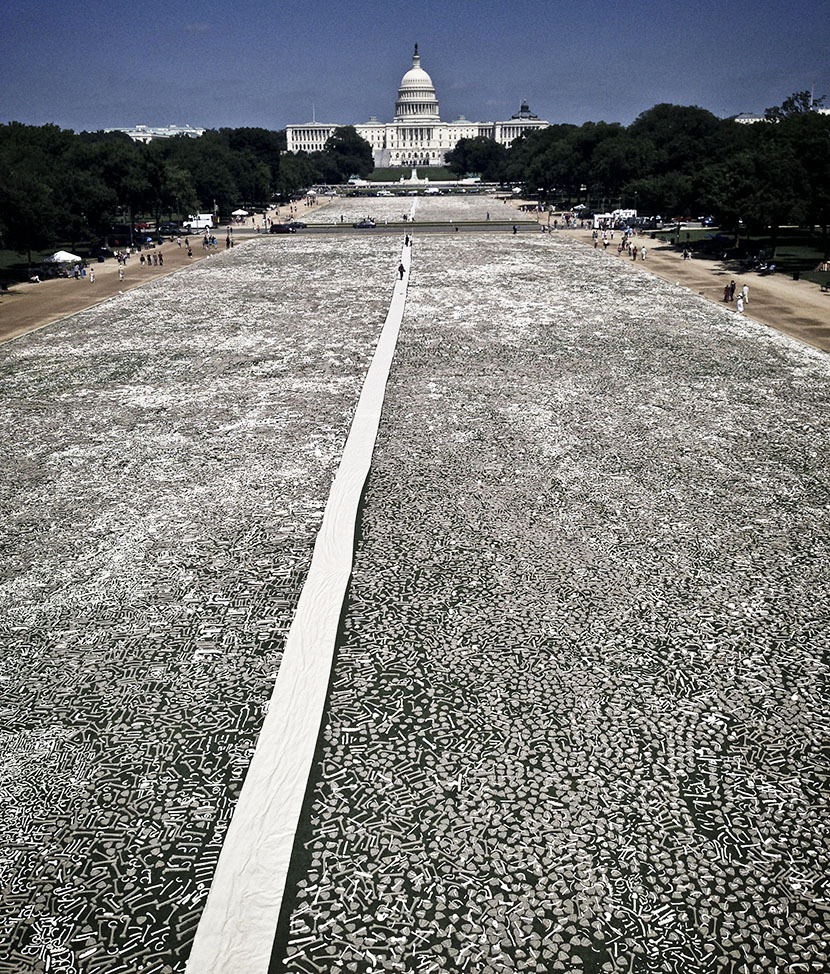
(732, 287)
(401, 271)
(726, 297)
(739, 307)
(643, 253)
(92, 275)
(745, 293)
(121, 273)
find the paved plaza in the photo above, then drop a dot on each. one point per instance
(576, 718)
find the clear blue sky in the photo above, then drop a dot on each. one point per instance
(249, 62)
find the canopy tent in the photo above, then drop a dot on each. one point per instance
(239, 213)
(62, 257)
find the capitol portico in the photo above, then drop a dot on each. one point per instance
(417, 136)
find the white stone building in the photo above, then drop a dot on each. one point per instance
(417, 136)
(146, 133)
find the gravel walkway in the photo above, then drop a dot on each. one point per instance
(576, 719)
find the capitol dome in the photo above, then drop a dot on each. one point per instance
(416, 95)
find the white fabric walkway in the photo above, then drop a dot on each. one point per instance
(237, 928)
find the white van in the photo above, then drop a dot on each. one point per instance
(202, 221)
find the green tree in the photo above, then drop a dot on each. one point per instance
(31, 169)
(798, 103)
(348, 153)
(809, 136)
(27, 211)
(170, 185)
(761, 188)
(479, 155)
(121, 167)
(296, 173)
(259, 147)
(541, 161)
(681, 138)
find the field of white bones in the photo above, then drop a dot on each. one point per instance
(419, 209)
(576, 716)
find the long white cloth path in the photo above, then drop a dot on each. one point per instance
(237, 928)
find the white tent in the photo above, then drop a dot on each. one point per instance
(239, 213)
(62, 257)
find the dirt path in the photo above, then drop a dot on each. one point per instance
(797, 308)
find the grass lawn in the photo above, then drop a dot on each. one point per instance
(798, 250)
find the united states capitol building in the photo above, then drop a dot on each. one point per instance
(417, 136)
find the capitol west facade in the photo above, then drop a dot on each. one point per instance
(417, 136)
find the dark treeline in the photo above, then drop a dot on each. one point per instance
(676, 161)
(56, 185)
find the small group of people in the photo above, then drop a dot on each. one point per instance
(627, 243)
(729, 295)
(152, 260)
(82, 272)
(633, 250)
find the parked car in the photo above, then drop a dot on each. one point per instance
(171, 229)
(281, 228)
(363, 224)
(297, 225)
